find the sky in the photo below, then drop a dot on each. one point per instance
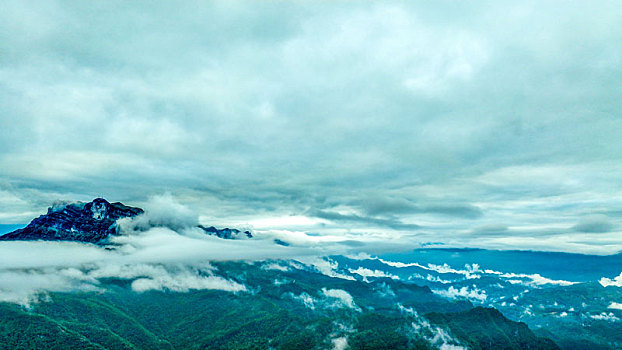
(481, 124)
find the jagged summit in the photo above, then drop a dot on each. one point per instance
(226, 233)
(89, 222)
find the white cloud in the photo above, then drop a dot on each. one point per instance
(30, 286)
(176, 277)
(285, 222)
(162, 211)
(125, 116)
(615, 282)
(158, 250)
(329, 299)
(473, 271)
(306, 299)
(603, 316)
(275, 266)
(401, 264)
(182, 282)
(344, 299)
(364, 272)
(280, 282)
(451, 347)
(469, 272)
(435, 335)
(25, 286)
(36, 254)
(325, 266)
(473, 294)
(154, 256)
(340, 343)
(430, 278)
(534, 279)
(614, 305)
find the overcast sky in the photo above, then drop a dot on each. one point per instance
(491, 124)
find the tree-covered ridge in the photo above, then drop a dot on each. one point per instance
(291, 309)
(487, 328)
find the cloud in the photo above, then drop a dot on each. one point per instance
(185, 282)
(470, 271)
(603, 316)
(435, 335)
(275, 266)
(594, 224)
(614, 305)
(162, 211)
(387, 205)
(534, 279)
(364, 272)
(306, 299)
(474, 271)
(401, 264)
(384, 206)
(159, 250)
(388, 124)
(34, 254)
(340, 343)
(473, 294)
(451, 347)
(392, 223)
(325, 266)
(29, 286)
(342, 298)
(328, 299)
(493, 229)
(430, 278)
(461, 211)
(615, 282)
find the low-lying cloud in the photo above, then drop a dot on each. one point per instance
(161, 249)
(341, 298)
(365, 273)
(162, 211)
(611, 282)
(473, 294)
(328, 299)
(604, 316)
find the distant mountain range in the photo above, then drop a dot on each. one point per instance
(446, 299)
(92, 222)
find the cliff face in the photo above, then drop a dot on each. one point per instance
(89, 222)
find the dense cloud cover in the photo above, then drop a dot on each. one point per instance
(493, 124)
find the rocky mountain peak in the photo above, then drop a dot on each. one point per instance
(89, 222)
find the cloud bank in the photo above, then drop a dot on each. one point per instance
(161, 249)
(323, 117)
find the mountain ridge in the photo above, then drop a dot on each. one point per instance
(91, 222)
